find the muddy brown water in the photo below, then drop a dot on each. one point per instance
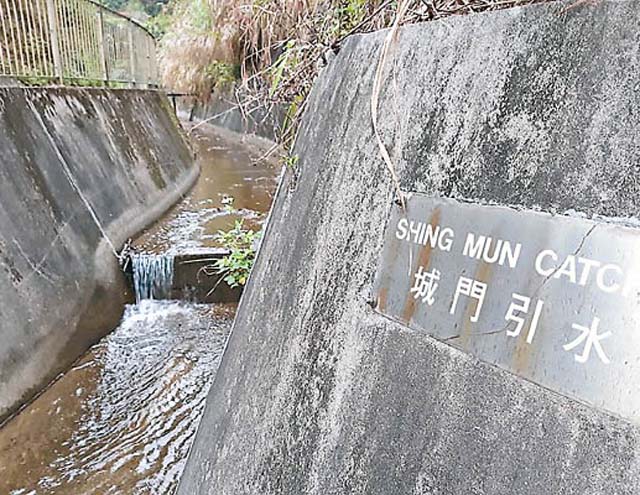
(122, 419)
(231, 167)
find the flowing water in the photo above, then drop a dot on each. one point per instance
(232, 170)
(152, 275)
(121, 421)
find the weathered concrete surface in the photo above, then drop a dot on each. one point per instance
(60, 285)
(194, 279)
(317, 393)
(223, 111)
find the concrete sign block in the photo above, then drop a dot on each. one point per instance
(553, 299)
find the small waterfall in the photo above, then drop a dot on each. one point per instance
(152, 276)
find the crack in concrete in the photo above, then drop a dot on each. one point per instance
(36, 268)
(535, 294)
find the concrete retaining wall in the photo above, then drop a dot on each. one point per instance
(317, 393)
(223, 111)
(73, 162)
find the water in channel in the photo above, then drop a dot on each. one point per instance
(152, 275)
(122, 419)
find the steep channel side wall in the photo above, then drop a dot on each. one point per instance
(535, 107)
(223, 111)
(74, 163)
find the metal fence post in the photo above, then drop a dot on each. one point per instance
(102, 48)
(55, 40)
(64, 41)
(5, 59)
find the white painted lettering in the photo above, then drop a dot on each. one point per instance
(422, 232)
(446, 239)
(425, 234)
(401, 229)
(510, 253)
(568, 268)
(414, 230)
(491, 258)
(601, 280)
(432, 235)
(473, 248)
(481, 247)
(587, 264)
(547, 253)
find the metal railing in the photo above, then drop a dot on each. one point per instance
(74, 41)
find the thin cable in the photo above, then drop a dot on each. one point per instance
(74, 184)
(375, 94)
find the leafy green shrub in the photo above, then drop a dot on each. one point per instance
(236, 266)
(159, 24)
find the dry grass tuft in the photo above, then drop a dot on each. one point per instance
(267, 40)
(253, 35)
(274, 48)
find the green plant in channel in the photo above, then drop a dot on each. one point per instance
(241, 243)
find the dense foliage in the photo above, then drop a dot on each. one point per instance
(236, 266)
(150, 7)
(276, 47)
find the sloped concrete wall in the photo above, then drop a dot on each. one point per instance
(223, 111)
(73, 162)
(317, 393)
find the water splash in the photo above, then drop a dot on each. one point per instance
(122, 420)
(152, 276)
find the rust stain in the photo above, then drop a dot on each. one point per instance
(483, 274)
(423, 259)
(382, 299)
(386, 274)
(524, 352)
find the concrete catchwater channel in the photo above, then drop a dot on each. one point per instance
(122, 419)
